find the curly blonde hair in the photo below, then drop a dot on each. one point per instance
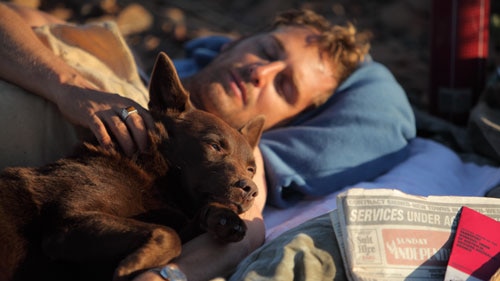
(344, 44)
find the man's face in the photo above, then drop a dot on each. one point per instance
(276, 74)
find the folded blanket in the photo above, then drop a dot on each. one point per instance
(308, 252)
(431, 169)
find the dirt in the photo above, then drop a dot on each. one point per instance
(401, 28)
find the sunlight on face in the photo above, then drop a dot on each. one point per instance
(277, 74)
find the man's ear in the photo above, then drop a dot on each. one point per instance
(166, 92)
(253, 130)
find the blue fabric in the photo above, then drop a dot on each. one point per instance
(430, 169)
(361, 132)
(199, 53)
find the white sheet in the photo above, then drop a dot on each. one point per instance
(431, 169)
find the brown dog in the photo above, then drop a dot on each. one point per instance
(99, 215)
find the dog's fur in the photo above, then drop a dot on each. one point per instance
(100, 215)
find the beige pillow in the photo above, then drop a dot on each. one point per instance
(33, 131)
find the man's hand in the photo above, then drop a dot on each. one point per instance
(28, 63)
(100, 112)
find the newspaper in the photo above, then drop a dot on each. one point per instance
(385, 234)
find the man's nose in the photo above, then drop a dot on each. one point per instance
(262, 74)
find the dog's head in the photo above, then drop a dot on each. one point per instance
(213, 161)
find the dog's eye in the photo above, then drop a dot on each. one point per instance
(251, 170)
(216, 147)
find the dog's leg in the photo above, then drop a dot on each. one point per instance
(160, 248)
(103, 237)
(13, 247)
(222, 222)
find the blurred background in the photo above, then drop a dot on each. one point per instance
(402, 29)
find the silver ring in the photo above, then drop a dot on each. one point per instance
(125, 112)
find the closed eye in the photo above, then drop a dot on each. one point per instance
(267, 55)
(270, 48)
(279, 82)
(285, 86)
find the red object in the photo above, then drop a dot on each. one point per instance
(459, 50)
(476, 247)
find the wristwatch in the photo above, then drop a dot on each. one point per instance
(170, 272)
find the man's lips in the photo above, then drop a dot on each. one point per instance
(237, 85)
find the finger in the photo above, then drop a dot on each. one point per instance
(137, 128)
(121, 133)
(98, 128)
(148, 119)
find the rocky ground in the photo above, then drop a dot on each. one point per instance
(401, 28)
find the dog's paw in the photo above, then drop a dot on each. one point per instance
(225, 225)
(159, 246)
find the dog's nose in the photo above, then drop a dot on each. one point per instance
(248, 187)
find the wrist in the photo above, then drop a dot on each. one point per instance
(69, 83)
(60, 79)
(170, 272)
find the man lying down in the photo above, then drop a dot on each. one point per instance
(334, 116)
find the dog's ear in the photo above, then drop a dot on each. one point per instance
(253, 130)
(166, 92)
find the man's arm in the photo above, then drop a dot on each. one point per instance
(26, 62)
(203, 258)
(29, 64)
